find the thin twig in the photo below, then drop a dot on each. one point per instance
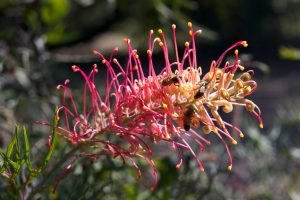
(41, 186)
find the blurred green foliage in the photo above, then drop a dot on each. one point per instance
(51, 16)
(289, 53)
(54, 10)
(17, 167)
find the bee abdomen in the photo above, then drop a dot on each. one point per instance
(186, 126)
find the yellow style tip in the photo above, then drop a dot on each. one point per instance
(241, 68)
(245, 44)
(229, 167)
(261, 125)
(215, 130)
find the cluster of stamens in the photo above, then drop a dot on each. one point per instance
(167, 106)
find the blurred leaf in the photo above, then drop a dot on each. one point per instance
(27, 150)
(59, 35)
(289, 53)
(11, 146)
(54, 10)
(18, 150)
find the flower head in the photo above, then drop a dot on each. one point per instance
(169, 105)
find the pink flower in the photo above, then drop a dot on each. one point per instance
(137, 109)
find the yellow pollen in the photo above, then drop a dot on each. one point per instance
(261, 125)
(216, 86)
(219, 73)
(187, 44)
(136, 56)
(236, 52)
(160, 31)
(164, 106)
(206, 129)
(244, 43)
(240, 83)
(190, 24)
(247, 89)
(242, 135)
(200, 109)
(161, 43)
(190, 32)
(181, 88)
(246, 76)
(149, 51)
(173, 26)
(233, 142)
(225, 94)
(229, 167)
(241, 68)
(215, 130)
(228, 108)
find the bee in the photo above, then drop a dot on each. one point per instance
(187, 117)
(202, 89)
(168, 81)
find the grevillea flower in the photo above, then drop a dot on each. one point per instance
(138, 109)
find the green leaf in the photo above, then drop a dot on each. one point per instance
(2, 154)
(11, 145)
(13, 164)
(4, 165)
(27, 150)
(18, 151)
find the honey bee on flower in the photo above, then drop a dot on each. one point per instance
(140, 107)
(171, 80)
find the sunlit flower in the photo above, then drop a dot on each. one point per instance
(142, 107)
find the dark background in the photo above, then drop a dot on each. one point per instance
(40, 40)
